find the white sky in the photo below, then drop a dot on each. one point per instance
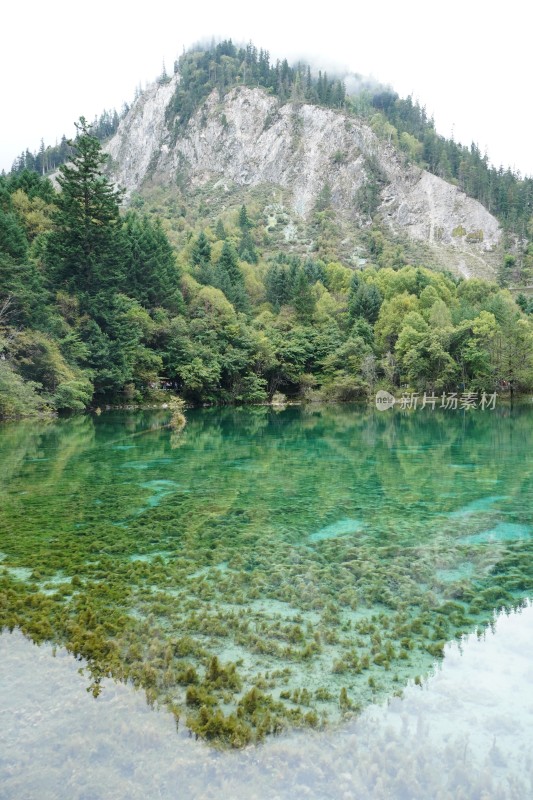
(468, 62)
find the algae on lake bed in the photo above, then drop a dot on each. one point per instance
(276, 568)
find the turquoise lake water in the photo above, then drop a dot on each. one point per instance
(301, 578)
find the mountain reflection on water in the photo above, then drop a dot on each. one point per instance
(467, 732)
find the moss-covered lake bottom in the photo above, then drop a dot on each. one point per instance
(467, 732)
(264, 570)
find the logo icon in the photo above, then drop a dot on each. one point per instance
(384, 400)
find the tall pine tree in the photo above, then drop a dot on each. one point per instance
(229, 278)
(84, 251)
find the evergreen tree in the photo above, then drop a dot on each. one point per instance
(314, 271)
(308, 84)
(22, 295)
(152, 275)
(304, 300)
(13, 241)
(246, 249)
(278, 288)
(228, 264)
(201, 258)
(229, 278)
(244, 220)
(365, 302)
(31, 184)
(201, 251)
(220, 231)
(83, 251)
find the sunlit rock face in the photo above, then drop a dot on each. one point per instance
(247, 139)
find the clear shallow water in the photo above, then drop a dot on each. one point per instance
(466, 733)
(324, 556)
(339, 528)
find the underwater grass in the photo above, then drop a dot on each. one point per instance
(273, 570)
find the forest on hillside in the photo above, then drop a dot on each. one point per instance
(97, 307)
(400, 121)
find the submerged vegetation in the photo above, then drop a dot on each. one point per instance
(267, 569)
(258, 568)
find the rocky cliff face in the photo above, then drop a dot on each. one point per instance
(307, 152)
(140, 137)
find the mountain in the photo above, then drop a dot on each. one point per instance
(277, 235)
(294, 159)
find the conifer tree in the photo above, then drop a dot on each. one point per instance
(247, 249)
(304, 301)
(22, 294)
(228, 264)
(220, 231)
(244, 220)
(83, 251)
(201, 251)
(152, 274)
(365, 301)
(229, 278)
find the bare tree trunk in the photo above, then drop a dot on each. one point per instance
(4, 307)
